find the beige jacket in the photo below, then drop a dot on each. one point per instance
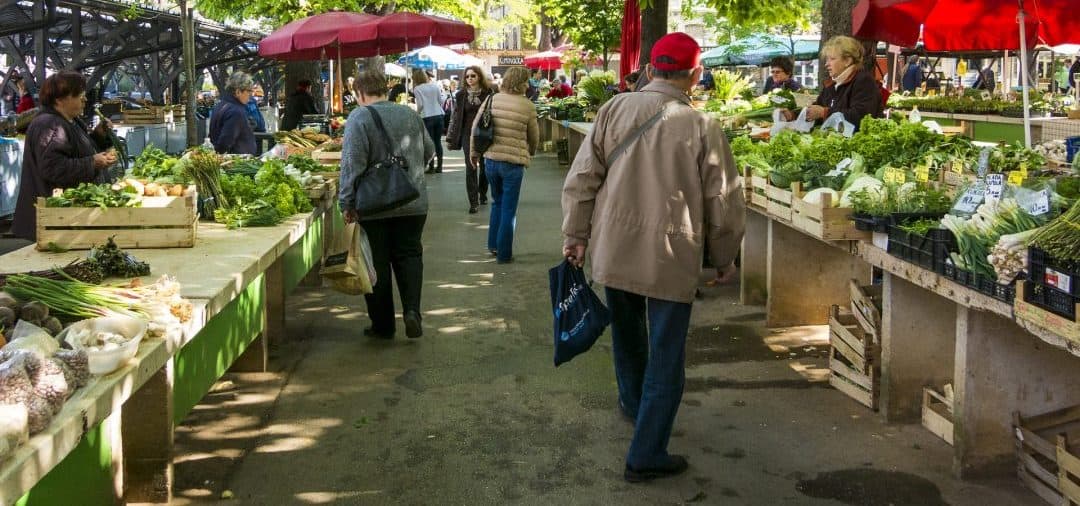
(646, 219)
(516, 131)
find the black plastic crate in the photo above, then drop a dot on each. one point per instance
(991, 287)
(868, 223)
(943, 243)
(914, 248)
(1060, 275)
(1051, 299)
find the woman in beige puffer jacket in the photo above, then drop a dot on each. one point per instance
(516, 137)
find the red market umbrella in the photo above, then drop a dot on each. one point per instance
(971, 25)
(305, 39)
(547, 60)
(967, 25)
(401, 31)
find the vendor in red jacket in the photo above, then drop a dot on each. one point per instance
(60, 151)
(560, 89)
(26, 101)
(853, 91)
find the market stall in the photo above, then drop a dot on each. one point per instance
(113, 438)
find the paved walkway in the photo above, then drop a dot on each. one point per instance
(475, 413)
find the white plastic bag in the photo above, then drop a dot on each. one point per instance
(801, 124)
(836, 121)
(28, 336)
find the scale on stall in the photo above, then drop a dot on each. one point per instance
(319, 121)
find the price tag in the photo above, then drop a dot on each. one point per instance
(894, 176)
(995, 185)
(1023, 169)
(777, 99)
(1039, 205)
(970, 200)
(1016, 177)
(922, 174)
(957, 167)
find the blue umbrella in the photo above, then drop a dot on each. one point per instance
(759, 50)
(438, 58)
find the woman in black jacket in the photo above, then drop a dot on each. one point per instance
(60, 151)
(230, 131)
(853, 92)
(467, 102)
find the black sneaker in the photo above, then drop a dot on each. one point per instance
(676, 466)
(412, 325)
(474, 209)
(483, 201)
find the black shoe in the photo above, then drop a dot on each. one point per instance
(483, 201)
(493, 252)
(474, 209)
(370, 332)
(676, 466)
(438, 170)
(413, 329)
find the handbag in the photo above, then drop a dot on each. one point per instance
(580, 316)
(385, 185)
(484, 131)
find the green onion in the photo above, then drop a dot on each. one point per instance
(77, 299)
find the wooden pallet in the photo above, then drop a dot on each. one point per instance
(937, 414)
(866, 305)
(161, 222)
(148, 116)
(824, 221)
(854, 359)
(1048, 462)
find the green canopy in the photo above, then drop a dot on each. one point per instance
(759, 50)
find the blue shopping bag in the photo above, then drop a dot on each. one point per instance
(580, 316)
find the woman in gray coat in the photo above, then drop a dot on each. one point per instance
(395, 234)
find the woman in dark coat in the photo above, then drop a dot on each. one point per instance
(230, 131)
(60, 150)
(853, 93)
(467, 102)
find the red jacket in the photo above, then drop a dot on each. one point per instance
(25, 104)
(561, 91)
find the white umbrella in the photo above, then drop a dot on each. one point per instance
(394, 70)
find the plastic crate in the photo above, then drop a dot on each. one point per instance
(928, 252)
(1060, 275)
(868, 223)
(1072, 146)
(1050, 299)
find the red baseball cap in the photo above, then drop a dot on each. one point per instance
(675, 51)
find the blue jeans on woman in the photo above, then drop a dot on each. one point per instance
(505, 179)
(649, 343)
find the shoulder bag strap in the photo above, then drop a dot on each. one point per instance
(486, 119)
(637, 133)
(382, 130)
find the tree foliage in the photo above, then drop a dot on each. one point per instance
(592, 25)
(279, 12)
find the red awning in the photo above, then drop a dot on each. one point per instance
(966, 25)
(401, 31)
(305, 39)
(547, 60)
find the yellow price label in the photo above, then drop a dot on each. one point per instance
(957, 167)
(1023, 168)
(1016, 177)
(922, 174)
(894, 176)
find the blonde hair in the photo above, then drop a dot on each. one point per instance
(419, 77)
(516, 81)
(843, 46)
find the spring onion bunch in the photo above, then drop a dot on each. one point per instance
(76, 299)
(976, 236)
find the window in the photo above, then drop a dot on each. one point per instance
(806, 73)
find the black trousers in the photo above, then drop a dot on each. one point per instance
(476, 182)
(435, 126)
(395, 245)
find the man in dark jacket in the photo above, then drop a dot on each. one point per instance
(59, 152)
(298, 104)
(230, 131)
(913, 76)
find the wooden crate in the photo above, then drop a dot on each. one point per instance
(1047, 454)
(326, 157)
(866, 305)
(1029, 313)
(161, 222)
(318, 192)
(779, 201)
(148, 116)
(755, 190)
(854, 359)
(824, 221)
(937, 414)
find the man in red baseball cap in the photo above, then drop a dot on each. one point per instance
(653, 183)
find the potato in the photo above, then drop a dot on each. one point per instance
(151, 189)
(176, 190)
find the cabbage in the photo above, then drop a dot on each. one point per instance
(868, 182)
(815, 196)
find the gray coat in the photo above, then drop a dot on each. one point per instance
(363, 146)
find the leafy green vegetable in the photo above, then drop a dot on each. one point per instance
(155, 165)
(96, 195)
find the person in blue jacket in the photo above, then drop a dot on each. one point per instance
(913, 75)
(255, 118)
(230, 131)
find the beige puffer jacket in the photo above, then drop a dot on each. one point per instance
(516, 130)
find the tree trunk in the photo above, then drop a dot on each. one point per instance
(544, 44)
(836, 20)
(653, 26)
(188, 61)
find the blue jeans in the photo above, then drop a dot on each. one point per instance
(505, 179)
(649, 343)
